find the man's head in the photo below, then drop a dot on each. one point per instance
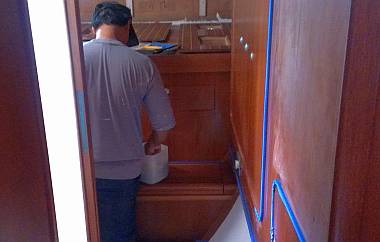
(113, 20)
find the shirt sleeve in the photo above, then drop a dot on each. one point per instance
(157, 104)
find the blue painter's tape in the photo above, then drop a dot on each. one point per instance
(82, 120)
(245, 208)
(260, 213)
(277, 186)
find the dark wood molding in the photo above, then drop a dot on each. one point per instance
(355, 159)
(26, 198)
(88, 177)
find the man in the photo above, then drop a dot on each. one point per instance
(119, 82)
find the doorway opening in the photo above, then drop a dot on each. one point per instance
(195, 67)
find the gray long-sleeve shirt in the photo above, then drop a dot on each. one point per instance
(119, 82)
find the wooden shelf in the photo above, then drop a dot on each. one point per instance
(194, 178)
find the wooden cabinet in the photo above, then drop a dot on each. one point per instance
(247, 91)
(309, 185)
(193, 201)
(198, 86)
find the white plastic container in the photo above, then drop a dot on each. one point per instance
(155, 167)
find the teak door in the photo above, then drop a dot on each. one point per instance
(308, 60)
(26, 199)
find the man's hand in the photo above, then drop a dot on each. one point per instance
(152, 149)
(153, 145)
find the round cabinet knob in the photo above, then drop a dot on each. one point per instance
(241, 40)
(246, 47)
(252, 56)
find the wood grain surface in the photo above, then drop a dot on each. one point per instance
(356, 183)
(202, 63)
(189, 205)
(152, 32)
(247, 94)
(199, 87)
(306, 89)
(153, 10)
(26, 198)
(194, 38)
(78, 68)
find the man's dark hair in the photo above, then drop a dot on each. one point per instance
(110, 13)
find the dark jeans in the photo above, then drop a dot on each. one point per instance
(117, 209)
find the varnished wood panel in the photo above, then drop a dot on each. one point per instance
(178, 218)
(284, 230)
(356, 189)
(88, 176)
(189, 205)
(305, 94)
(370, 223)
(192, 98)
(202, 38)
(153, 10)
(309, 129)
(193, 63)
(248, 78)
(149, 10)
(26, 199)
(189, 178)
(210, 131)
(179, 9)
(199, 89)
(223, 7)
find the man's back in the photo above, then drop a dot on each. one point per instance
(119, 82)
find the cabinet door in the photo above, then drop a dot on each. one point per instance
(198, 86)
(308, 56)
(247, 95)
(288, 180)
(26, 200)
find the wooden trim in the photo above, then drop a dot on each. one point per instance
(19, 10)
(180, 198)
(222, 216)
(357, 130)
(75, 41)
(193, 63)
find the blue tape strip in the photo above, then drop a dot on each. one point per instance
(260, 213)
(245, 208)
(82, 120)
(277, 186)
